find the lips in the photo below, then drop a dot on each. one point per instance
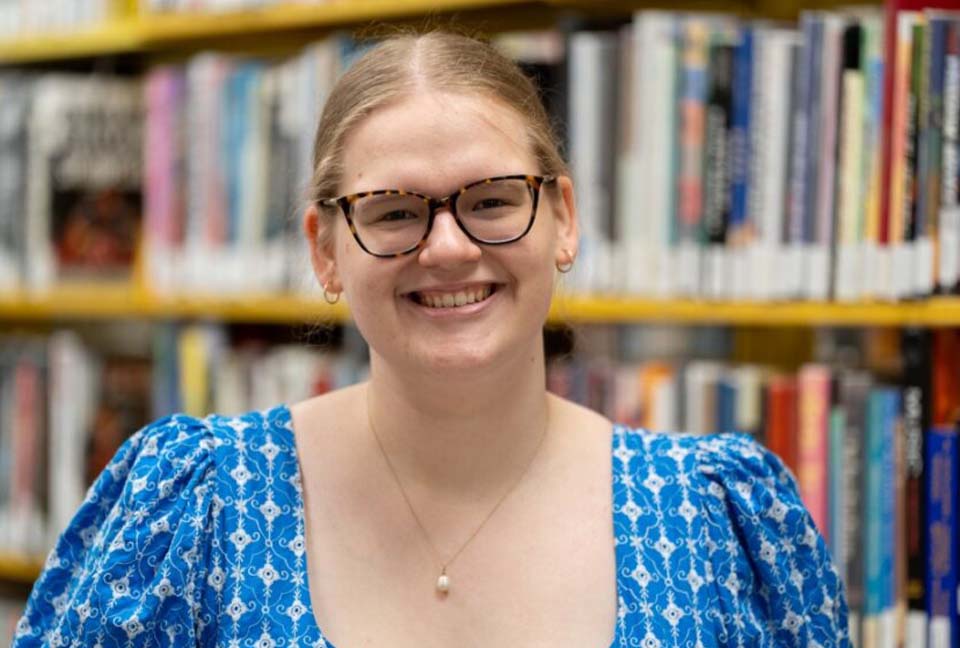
(453, 297)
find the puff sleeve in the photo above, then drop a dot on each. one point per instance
(776, 582)
(129, 569)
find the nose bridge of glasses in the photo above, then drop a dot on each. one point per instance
(447, 204)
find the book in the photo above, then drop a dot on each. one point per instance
(15, 102)
(853, 394)
(717, 168)
(943, 458)
(781, 419)
(850, 164)
(948, 248)
(84, 207)
(657, 89)
(880, 506)
(694, 46)
(814, 396)
(165, 180)
(769, 158)
(592, 75)
(916, 345)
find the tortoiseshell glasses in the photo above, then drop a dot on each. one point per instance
(393, 222)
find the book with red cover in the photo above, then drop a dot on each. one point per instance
(781, 419)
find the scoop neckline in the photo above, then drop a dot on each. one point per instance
(618, 548)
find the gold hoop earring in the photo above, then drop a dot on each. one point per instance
(568, 266)
(328, 299)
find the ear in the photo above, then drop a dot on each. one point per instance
(319, 234)
(567, 223)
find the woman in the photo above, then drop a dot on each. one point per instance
(448, 501)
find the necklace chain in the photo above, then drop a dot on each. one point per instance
(443, 581)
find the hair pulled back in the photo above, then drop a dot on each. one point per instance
(402, 65)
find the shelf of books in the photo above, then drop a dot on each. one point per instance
(802, 178)
(52, 35)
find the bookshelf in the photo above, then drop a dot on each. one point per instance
(97, 303)
(161, 33)
(789, 327)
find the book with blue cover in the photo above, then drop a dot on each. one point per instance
(943, 459)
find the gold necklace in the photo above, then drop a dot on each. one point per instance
(443, 581)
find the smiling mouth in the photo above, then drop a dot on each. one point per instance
(436, 299)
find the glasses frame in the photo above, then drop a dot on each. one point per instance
(346, 203)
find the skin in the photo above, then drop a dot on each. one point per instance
(460, 407)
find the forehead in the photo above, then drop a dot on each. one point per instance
(435, 142)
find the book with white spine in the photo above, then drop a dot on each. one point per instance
(655, 90)
(592, 79)
(770, 146)
(850, 163)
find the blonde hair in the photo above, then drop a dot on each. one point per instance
(403, 65)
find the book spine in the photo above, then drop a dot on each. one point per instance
(740, 230)
(716, 179)
(813, 159)
(899, 136)
(850, 141)
(949, 216)
(797, 187)
(943, 459)
(931, 145)
(657, 88)
(878, 567)
(854, 394)
(837, 499)
(873, 160)
(692, 127)
(916, 346)
(726, 404)
(821, 262)
(904, 272)
(812, 443)
(782, 419)
(771, 144)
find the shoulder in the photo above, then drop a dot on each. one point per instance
(132, 562)
(715, 457)
(753, 533)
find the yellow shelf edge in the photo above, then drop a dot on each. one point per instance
(18, 568)
(125, 302)
(159, 29)
(149, 32)
(122, 36)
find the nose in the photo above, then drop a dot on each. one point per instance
(447, 244)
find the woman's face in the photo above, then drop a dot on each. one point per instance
(435, 143)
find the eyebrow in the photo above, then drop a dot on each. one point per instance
(416, 187)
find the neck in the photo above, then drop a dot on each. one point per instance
(467, 436)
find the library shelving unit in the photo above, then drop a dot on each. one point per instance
(140, 34)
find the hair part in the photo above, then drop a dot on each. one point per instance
(402, 65)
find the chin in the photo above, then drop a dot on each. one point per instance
(458, 357)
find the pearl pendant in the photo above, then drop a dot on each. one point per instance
(443, 583)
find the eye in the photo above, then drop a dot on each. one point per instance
(490, 203)
(397, 215)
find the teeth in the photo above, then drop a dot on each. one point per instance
(451, 300)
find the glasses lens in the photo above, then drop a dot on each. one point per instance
(390, 224)
(497, 211)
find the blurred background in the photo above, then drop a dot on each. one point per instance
(770, 204)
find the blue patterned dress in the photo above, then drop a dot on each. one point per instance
(194, 534)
